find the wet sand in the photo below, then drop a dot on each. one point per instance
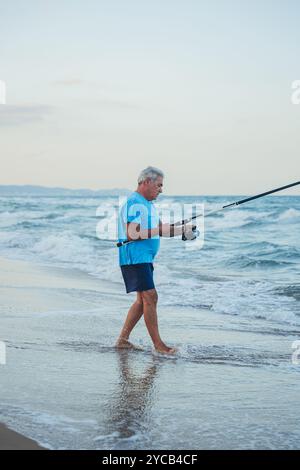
(232, 384)
(11, 440)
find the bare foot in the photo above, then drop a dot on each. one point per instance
(163, 349)
(123, 343)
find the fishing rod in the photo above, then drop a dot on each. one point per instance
(226, 206)
(237, 203)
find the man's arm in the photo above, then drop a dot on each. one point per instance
(169, 231)
(134, 231)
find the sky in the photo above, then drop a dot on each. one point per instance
(98, 90)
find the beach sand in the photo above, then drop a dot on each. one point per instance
(11, 440)
(231, 386)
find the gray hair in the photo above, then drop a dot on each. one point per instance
(149, 172)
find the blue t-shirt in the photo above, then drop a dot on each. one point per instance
(138, 210)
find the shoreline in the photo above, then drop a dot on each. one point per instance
(12, 440)
(32, 289)
(59, 325)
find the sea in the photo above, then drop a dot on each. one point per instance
(229, 301)
(247, 263)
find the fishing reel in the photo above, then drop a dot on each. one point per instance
(191, 235)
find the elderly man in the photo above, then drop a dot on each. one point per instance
(139, 223)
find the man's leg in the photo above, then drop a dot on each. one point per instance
(150, 315)
(134, 314)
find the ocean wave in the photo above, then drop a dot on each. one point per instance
(232, 219)
(197, 306)
(260, 245)
(51, 216)
(218, 278)
(272, 251)
(237, 218)
(254, 223)
(77, 251)
(234, 356)
(247, 262)
(244, 297)
(256, 300)
(289, 214)
(285, 252)
(8, 219)
(65, 247)
(28, 224)
(289, 291)
(12, 240)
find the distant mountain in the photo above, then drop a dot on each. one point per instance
(31, 190)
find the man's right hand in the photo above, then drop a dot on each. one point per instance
(190, 232)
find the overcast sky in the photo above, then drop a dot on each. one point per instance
(97, 90)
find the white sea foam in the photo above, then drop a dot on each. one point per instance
(8, 218)
(289, 214)
(63, 247)
(70, 239)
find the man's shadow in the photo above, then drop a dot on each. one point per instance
(128, 412)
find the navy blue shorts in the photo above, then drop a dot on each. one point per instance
(138, 277)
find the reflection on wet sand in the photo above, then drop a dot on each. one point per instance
(129, 409)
